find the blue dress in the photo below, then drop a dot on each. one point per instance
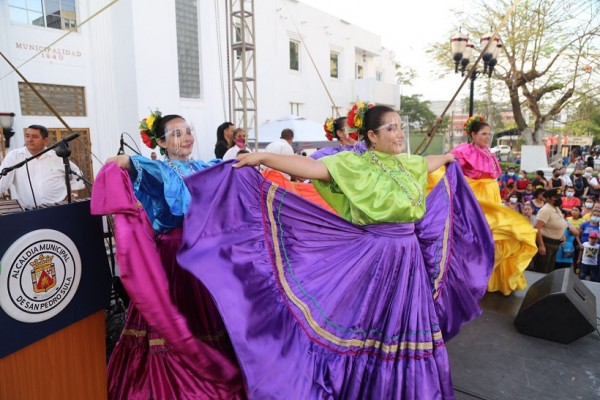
(161, 190)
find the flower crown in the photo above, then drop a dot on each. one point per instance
(148, 129)
(468, 126)
(329, 128)
(356, 115)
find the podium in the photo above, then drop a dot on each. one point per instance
(54, 286)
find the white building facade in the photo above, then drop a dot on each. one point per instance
(105, 75)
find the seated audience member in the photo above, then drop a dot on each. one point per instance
(570, 200)
(539, 182)
(580, 184)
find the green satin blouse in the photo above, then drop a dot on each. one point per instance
(363, 193)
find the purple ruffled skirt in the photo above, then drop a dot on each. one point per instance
(320, 308)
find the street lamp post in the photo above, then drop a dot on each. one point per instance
(462, 50)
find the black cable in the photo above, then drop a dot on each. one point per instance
(133, 141)
(30, 185)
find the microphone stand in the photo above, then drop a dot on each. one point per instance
(123, 144)
(6, 170)
(63, 150)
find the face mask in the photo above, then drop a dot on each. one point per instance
(578, 175)
(589, 205)
(556, 175)
(521, 176)
(570, 194)
(595, 219)
(511, 174)
(588, 174)
(240, 143)
(513, 200)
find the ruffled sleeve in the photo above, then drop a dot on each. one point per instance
(361, 192)
(162, 191)
(476, 164)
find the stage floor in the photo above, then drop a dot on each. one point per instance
(490, 359)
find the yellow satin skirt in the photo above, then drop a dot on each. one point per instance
(514, 237)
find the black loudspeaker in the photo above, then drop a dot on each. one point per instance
(558, 307)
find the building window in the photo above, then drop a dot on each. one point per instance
(359, 71)
(188, 48)
(294, 55)
(334, 59)
(68, 101)
(295, 108)
(57, 14)
(378, 76)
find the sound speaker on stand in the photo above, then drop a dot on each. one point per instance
(558, 307)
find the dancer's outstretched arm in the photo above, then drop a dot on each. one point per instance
(301, 166)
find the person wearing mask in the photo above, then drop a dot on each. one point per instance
(42, 180)
(283, 145)
(522, 181)
(556, 182)
(580, 184)
(239, 137)
(569, 201)
(586, 210)
(509, 175)
(300, 304)
(595, 206)
(589, 226)
(514, 203)
(224, 139)
(550, 224)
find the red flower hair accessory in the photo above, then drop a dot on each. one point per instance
(356, 115)
(329, 128)
(148, 130)
(468, 126)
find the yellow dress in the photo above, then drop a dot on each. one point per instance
(514, 237)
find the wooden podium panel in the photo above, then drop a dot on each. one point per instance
(36, 372)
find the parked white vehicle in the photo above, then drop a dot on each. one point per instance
(501, 149)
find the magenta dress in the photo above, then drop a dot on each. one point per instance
(174, 345)
(320, 308)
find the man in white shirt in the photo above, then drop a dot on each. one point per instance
(46, 172)
(283, 145)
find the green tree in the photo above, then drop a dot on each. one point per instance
(587, 119)
(420, 116)
(405, 75)
(546, 46)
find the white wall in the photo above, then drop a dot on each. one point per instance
(126, 58)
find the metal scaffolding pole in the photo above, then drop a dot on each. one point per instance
(243, 66)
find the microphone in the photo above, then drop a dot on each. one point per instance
(71, 137)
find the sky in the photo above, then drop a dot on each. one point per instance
(407, 28)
